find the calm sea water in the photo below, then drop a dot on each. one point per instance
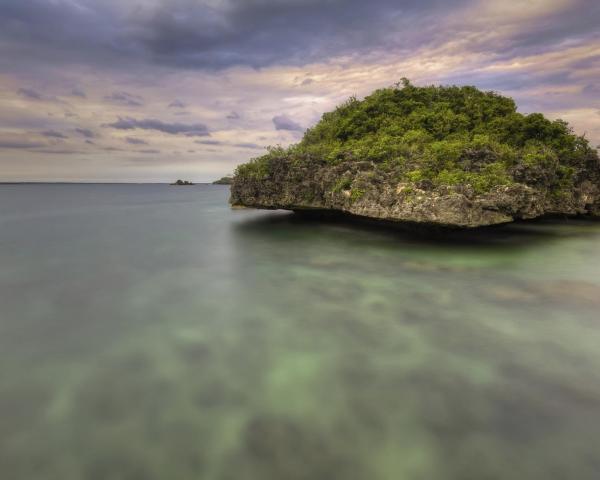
(150, 332)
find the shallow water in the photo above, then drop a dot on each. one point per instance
(150, 332)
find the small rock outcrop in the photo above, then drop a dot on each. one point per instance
(451, 156)
(180, 183)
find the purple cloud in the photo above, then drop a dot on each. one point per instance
(53, 134)
(17, 144)
(283, 122)
(30, 93)
(86, 132)
(125, 98)
(177, 104)
(135, 141)
(78, 92)
(190, 130)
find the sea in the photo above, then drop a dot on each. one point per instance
(151, 332)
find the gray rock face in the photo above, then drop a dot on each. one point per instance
(360, 188)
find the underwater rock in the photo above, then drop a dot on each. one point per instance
(562, 292)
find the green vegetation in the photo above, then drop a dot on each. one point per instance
(343, 183)
(226, 180)
(436, 136)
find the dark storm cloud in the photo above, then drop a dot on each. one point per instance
(202, 34)
(86, 132)
(190, 130)
(283, 122)
(124, 98)
(59, 31)
(258, 33)
(53, 134)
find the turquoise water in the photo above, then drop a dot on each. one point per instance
(150, 332)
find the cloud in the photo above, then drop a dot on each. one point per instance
(212, 35)
(207, 34)
(227, 144)
(20, 144)
(86, 132)
(124, 98)
(592, 89)
(136, 141)
(233, 116)
(283, 122)
(149, 151)
(177, 104)
(190, 130)
(248, 145)
(63, 151)
(53, 134)
(30, 93)
(78, 92)
(195, 34)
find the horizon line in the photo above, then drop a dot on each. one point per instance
(51, 182)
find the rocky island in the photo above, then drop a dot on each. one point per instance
(450, 156)
(181, 183)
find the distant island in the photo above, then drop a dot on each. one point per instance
(182, 182)
(227, 180)
(451, 156)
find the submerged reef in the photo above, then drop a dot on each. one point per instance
(450, 156)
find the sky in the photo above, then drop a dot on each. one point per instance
(155, 90)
